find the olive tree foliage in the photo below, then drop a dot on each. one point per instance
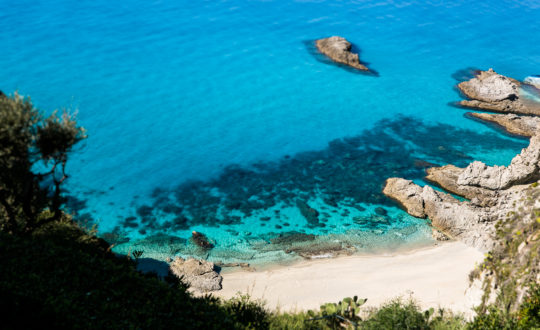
(33, 154)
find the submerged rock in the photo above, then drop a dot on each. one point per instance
(292, 237)
(199, 274)
(321, 249)
(339, 50)
(311, 215)
(381, 211)
(492, 91)
(243, 265)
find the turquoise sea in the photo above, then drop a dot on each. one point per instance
(221, 117)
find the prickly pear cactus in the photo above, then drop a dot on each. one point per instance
(344, 311)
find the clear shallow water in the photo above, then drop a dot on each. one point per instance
(211, 116)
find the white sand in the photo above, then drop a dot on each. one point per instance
(434, 276)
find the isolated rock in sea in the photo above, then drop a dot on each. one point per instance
(492, 91)
(200, 274)
(339, 50)
(524, 168)
(518, 125)
(201, 240)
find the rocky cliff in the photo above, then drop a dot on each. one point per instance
(501, 210)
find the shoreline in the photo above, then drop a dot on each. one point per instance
(434, 276)
(379, 251)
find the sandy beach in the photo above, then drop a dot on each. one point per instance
(434, 276)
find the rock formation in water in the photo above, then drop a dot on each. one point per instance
(199, 274)
(518, 125)
(502, 210)
(339, 50)
(311, 215)
(492, 91)
(201, 240)
(492, 191)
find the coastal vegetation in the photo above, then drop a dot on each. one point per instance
(58, 273)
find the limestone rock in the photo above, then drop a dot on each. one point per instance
(495, 92)
(494, 192)
(524, 168)
(490, 86)
(446, 177)
(513, 124)
(438, 236)
(200, 274)
(407, 194)
(455, 219)
(339, 50)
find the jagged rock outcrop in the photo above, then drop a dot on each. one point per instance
(518, 125)
(524, 168)
(406, 193)
(458, 220)
(446, 177)
(492, 91)
(502, 212)
(494, 192)
(200, 274)
(339, 50)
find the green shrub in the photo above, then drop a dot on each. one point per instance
(291, 321)
(64, 278)
(398, 315)
(247, 313)
(529, 312)
(493, 318)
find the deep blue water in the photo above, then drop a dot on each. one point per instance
(213, 115)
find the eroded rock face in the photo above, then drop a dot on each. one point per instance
(513, 124)
(489, 86)
(407, 194)
(495, 92)
(200, 274)
(455, 219)
(339, 50)
(494, 192)
(446, 177)
(524, 168)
